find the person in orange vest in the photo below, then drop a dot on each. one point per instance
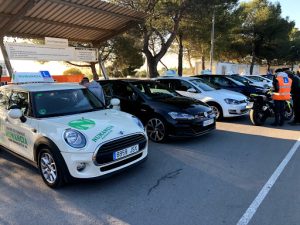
(282, 92)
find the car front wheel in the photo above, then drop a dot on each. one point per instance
(156, 130)
(50, 168)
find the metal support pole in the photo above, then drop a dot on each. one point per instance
(102, 67)
(6, 58)
(212, 40)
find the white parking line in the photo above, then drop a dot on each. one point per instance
(267, 187)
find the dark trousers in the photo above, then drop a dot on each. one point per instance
(296, 105)
(279, 112)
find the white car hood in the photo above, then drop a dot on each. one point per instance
(98, 127)
(222, 94)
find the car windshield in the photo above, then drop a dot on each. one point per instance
(205, 86)
(241, 79)
(64, 102)
(154, 90)
(236, 82)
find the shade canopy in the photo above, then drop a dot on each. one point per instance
(92, 21)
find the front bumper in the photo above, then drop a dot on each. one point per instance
(96, 171)
(190, 128)
(236, 110)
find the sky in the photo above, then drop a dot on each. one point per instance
(289, 8)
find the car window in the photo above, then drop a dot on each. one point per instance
(184, 86)
(65, 102)
(21, 100)
(203, 85)
(154, 90)
(222, 81)
(122, 91)
(4, 99)
(107, 92)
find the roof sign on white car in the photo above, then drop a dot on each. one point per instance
(32, 77)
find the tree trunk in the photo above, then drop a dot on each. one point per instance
(203, 62)
(269, 65)
(152, 66)
(94, 71)
(253, 58)
(189, 59)
(180, 55)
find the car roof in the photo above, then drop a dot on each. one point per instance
(176, 78)
(34, 87)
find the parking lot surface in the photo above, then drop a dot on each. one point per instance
(209, 180)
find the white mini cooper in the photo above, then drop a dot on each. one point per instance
(67, 132)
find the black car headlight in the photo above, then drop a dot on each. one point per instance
(74, 138)
(181, 116)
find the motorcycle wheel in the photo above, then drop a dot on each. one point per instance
(257, 117)
(288, 112)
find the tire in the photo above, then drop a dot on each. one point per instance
(217, 110)
(257, 117)
(156, 129)
(288, 111)
(50, 167)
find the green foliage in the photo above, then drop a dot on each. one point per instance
(262, 32)
(72, 71)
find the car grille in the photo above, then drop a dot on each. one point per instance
(201, 115)
(105, 152)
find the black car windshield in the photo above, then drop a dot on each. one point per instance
(154, 90)
(238, 83)
(203, 85)
(64, 102)
(242, 79)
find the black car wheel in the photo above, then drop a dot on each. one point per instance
(156, 130)
(50, 168)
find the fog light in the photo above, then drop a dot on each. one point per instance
(81, 166)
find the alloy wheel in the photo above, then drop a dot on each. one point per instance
(48, 167)
(156, 130)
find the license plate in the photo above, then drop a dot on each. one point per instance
(125, 152)
(208, 122)
(250, 105)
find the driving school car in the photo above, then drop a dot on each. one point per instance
(66, 132)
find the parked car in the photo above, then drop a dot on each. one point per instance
(265, 81)
(65, 131)
(268, 76)
(163, 111)
(248, 81)
(224, 103)
(226, 82)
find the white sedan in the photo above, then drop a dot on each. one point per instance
(225, 103)
(264, 81)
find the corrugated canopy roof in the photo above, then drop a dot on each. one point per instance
(77, 20)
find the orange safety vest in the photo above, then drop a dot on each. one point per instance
(284, 92)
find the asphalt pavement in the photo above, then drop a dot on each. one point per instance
(209, 180)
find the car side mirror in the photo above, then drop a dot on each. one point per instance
(115, 103)
(16, 113)
(192, 90)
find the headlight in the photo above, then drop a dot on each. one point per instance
(231, 101)
(74, 138)
(181, 116)
(138, 122)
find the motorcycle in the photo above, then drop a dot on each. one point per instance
(262, 107)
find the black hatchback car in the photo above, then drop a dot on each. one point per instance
(226, 82)
(163, 112)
